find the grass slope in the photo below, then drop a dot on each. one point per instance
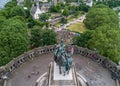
(77, 27)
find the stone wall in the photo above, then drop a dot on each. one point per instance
(105, 62)
(16, 62)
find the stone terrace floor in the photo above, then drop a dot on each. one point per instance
(27, 74)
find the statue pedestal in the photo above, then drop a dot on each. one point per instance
(53, 78)
(57, 76)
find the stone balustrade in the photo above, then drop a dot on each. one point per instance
(16, 62)
(105, 62)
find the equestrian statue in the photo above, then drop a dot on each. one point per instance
(63, 58)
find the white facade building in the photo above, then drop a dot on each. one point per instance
(36, 11)
(43, 0)
(89, 3)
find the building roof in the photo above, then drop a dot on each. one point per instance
(33, 10)
(20, 1)
(43, 0)
(36, 0)
(89, 1)
(46, 4)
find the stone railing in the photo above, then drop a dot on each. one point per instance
(105, 62)
(17, 62)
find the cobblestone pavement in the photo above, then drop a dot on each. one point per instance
(28, 73)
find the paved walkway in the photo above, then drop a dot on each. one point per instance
(28, 73)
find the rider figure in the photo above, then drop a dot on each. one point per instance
(60, 54)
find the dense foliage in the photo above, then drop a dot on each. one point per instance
(13, 39)
(55, 9)
(43, 17)
(49, 37)
(104, 32)
(36, 36)
(41, 37)
(82, 40)
(110, 3)
(106, 40)
(100, 15)
(15, 25)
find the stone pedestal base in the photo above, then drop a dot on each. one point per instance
(57, 76)
(53, 78)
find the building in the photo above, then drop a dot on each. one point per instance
(43, 1)
(63, 1)
(54, 2)
(36, 11)
(89, 3)
(20, 2)
(45, 7)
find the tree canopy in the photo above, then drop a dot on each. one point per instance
(100, 15)
(49, 37)
(55, 9)
(43, 17)
(82, 40)
(36, 36)
(106, 40)
(110, 3)
(13, 39)
(65, 12)
(104, 32)
(17, 11)
(11, 4)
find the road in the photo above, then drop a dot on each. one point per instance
(28, 73)
(64, 26)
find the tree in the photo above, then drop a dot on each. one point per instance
(31, 22)
(83, 39)
(100, 15)
(61, 4)
(28, 4)
(2, 19)
(83, 7)
(63, 20)
(55, 9)
(4, 13)
(43, 17)
(110, 3)
(36, 36)
(13, 39)
(17, 11)
(69, 1)
(106, 40)
(65, 13)
(49, 37)
(72, 9)
(77, 13)
(11, 4)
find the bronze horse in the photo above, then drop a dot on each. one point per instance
(62, 59)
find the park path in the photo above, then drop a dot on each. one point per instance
(29, 72)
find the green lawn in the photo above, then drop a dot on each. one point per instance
(77, 27)
(57, 24)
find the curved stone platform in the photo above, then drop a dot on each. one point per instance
(28, 73)
(47, 79)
